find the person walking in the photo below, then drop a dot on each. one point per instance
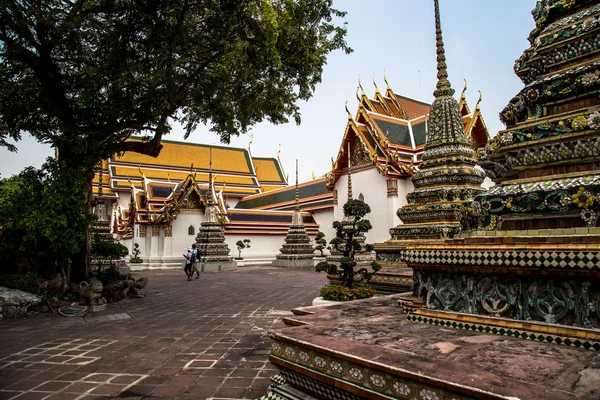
(194, 265)
(190, 258)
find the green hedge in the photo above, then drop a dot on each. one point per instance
(343, 293)
(28, 282)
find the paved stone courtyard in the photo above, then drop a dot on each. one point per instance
(204, 339)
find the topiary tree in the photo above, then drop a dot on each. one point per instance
(241, 245)
(136, 254)
(345, 241)
(321, 242)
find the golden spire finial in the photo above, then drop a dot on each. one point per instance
(332, 163)
(297, 197)
(191, 167)
(250, 142)
(349, 174)
(100, 179)
(210, 178)
(443, 87)
(479, 101)
(387, 84)
(463, 95)
(348, 111)
(375, 84)
(313, 175)
(357, 95)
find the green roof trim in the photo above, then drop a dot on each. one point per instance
(397, 133)
(420, 133)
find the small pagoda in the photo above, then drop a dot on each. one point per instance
(297, 251)
(447, 178)
(213, 252)
(101, 231)
(347, 225)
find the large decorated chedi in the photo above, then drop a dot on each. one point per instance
(297, 251)
(213, 252)
(447, 178)
(536, 254)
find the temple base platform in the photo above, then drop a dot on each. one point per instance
(378, 349)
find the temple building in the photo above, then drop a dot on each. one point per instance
(159, 203)
(385, 140)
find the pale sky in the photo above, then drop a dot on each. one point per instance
(482, 40)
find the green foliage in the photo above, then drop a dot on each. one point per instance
(44, 216)
(321, 242)
(345, 241)
(27, 282)
(241, 245)
(343, 293)
(109, 250)
(110, 275)
(86, 75)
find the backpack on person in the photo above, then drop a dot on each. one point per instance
(193, 257)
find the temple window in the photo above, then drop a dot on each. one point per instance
(392, 188)
(191, 230)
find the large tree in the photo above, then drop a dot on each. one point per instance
(84, 75)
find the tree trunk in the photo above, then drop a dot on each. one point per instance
(82, 270)
(64, 278)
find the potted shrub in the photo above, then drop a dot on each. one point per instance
(353, 282)
(321, 244)
(135, 253)
(241, 245)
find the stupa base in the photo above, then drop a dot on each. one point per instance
(216, 266)
(301, 263)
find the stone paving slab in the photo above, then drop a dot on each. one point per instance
(204, 339)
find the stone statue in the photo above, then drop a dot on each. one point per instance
(136, 286)
(91, 294)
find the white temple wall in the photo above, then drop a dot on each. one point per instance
(263, 247)
(181, 240)
(373, 186)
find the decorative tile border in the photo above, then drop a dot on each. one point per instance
(542, 335)
(301, 368)
(535, 258)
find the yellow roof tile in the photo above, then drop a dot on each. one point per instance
(268, 170)
(182, 155)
